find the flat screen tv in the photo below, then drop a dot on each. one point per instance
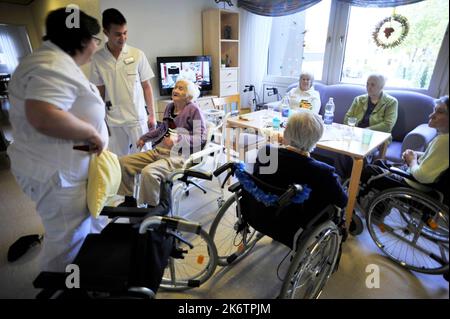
(194, 68)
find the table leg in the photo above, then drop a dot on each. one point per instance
(383, 149)
(353, 188)
(228, 143)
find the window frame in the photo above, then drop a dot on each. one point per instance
(334, 57)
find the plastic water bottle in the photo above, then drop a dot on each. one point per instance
(285, 106)
(328, 117)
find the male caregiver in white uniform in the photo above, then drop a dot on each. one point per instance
(122, 75)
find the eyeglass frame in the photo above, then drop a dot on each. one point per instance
(97, 40)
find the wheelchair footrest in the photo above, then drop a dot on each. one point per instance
(193, 283)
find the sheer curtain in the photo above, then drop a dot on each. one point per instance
(8, 51)
(255, 31)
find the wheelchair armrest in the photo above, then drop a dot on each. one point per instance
(235, 187)
(209, 148)
(330, 210)
(112, 212)
(402, 173)
(197, 174)
(154, 222)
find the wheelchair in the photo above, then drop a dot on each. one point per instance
(244, 219)
(132, 259)
(410, 226)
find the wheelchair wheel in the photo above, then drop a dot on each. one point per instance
(193, 261)
(313, 263)
(233, 238)
(411, 229)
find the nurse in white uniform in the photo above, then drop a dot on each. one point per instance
(54, 108)
(122, 74)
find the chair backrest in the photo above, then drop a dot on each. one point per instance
(413, 110)
(230, 104)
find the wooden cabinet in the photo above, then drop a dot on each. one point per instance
(204, 103)
(221, 42)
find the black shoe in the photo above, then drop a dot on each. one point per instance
(130, 201)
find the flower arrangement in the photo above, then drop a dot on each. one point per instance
(381, 40)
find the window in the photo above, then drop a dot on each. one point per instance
(298, 41)
(408, 65)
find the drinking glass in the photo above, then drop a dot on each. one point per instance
(351, 121)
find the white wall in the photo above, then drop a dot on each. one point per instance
(163, 27)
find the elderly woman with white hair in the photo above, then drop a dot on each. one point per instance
(182, 132)
(375, 110)
(293, 164)
(305, 96)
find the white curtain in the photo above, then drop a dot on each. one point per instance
(8, 51)
(254, 49)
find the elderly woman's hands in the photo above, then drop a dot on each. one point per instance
(410, 157)
(140, 143)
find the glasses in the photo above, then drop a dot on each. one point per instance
(98, 41)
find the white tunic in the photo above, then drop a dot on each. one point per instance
(51, 75)
(122, 79)
(299, 99)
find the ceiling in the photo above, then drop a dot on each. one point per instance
(19, 2)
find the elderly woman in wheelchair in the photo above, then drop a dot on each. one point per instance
(182, 133)
(292, 198)
(407, 207)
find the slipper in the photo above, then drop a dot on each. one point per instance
(22, 245)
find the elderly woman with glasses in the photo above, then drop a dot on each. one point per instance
(426, 167)
(53, 109)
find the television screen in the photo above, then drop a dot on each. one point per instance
(194, 68)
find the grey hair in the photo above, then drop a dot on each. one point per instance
(307, 73)
(304, 129)
(442, 100)
(381, 79)
(192, 90)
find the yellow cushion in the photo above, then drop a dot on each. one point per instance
(103, 181)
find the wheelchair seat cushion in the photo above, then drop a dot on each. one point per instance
(120, 257)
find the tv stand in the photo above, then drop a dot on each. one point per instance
(204, 102)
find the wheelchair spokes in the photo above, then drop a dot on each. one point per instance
(193, 261)
(232, 236)
(313, 263)
(411, 230)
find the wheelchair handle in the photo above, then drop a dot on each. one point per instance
(223, 168)
(286, 197)
(402, 173)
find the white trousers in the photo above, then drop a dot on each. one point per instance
(123, 139)
(66, 219)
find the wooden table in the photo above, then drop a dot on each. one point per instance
(337, 138)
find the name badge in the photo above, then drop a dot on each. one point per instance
(128, 60)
